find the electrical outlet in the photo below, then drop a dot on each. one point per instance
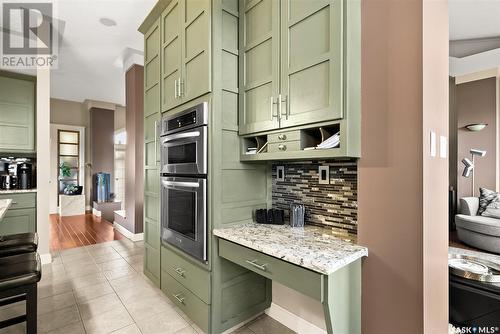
(280, 173)
(324, 174)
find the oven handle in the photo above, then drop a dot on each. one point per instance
(191, 134)
(180, 184)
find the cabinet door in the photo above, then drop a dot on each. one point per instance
(171, 47)
(311, 61)
(259, 65)
(152, 112)
(18, 221)
(17, 116)
(196, 49)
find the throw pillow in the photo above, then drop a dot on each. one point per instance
(493, 209)
(486, 197)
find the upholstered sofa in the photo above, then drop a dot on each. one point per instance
(477, 231)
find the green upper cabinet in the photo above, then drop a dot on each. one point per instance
(259, 65)
(291, 73)
(17, 114)
(311, 61)
(185, 52)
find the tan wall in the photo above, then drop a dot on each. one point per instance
(68, 113)
(120, 118)
(404, 58)
(476, 103)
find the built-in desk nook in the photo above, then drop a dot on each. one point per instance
(310, 260)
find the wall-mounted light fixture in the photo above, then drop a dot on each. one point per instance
(476, 127)
(470, 165)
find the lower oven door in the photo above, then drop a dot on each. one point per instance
(184, 214)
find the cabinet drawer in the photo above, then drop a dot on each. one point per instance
(303, 280)
(283, 136)
(191, 276)
(18, 221)
(284, 146)
(185, 300)
(21, 201)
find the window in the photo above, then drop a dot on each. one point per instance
(68, 154)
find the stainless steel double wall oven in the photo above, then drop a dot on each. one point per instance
(184, 165)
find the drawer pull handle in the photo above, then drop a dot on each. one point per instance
(180, 272)
(179, 298)
(282, 147)
(13, 203)
(282, 137)
(256, 265)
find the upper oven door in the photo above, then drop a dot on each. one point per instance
(183, 214)
(185, 152)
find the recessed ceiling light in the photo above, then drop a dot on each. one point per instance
(106, 21)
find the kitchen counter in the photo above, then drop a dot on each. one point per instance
(4, 206)
(311, 247)
(17, 191)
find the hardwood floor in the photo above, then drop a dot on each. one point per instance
(77, 231)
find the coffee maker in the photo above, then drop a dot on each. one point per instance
(24, 175)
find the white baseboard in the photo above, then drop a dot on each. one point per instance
(127, 233)
(88, 208)
(96, 213)
(46, 258)
(292, 321)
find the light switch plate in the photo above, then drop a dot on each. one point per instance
(280, 173)
(324, 174)
(433, 144)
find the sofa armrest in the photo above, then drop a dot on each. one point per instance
(469, 206)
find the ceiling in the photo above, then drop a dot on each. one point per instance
(474, 35)
(91, 54)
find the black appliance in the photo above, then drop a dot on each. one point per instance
(25, 175)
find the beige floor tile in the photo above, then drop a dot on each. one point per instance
(54, 303)
(243, 330)
(266, 325)
(16, 329)
(131, 329)
(99, 305)
(119, 272)
(74, 257)
(58, 319)
(82, 269)
(107, 257)
(140, 290)
(134, 259)
(46, 289)
(12, 310)
(163, 323)
(113, 264)
(109, 321)
(187, 330)
(79, 282)
(144, 307)
(87, 293)
(75, 328)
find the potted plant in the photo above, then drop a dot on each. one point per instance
(65, 170)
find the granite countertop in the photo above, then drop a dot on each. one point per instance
(18, 191)
(4, 206)
(314, 248)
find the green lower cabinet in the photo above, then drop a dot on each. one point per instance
(152, 264)
(18, 221)
(186, 301)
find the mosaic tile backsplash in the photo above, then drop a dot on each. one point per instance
(329, 205)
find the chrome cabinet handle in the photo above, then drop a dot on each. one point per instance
(179, 271)
(279, 107)
(282, 147)
(179, 298)
(13, 203)
(256, 265)
(191, 134)
(282, 137)
(175, 88)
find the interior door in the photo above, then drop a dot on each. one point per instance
(259, 67)
(171, 44)
(311, 61)
(196, 51)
